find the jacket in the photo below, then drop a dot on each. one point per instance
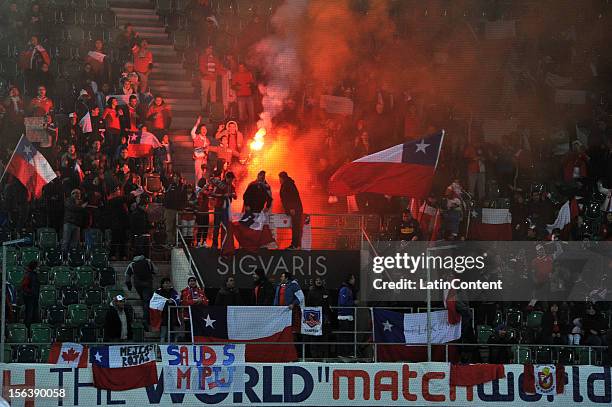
(142, 269)
(187, 296)
(160, 116)
(263, 292)
(606, 206)
(112, 323)
(176, 197)
(290, 196)
(210, 67)
(257, 196)
(346, 299)
(174, 296)
(227, 297)
(293, 294)
(73, 213)
(30, 285)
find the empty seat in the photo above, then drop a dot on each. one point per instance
(40, 333)
(514, 318)
(15, 275)
(99, 259)
(88, 333)
(16, 333)
(84, 276)
(93, 296)
(46, 238)
(484, 333)
(56, 315)
(138, 331)
(53, 257)
(27, 354)
(43, 353)
(64, 334)
(70, 295)
(99, 314)
(29, 254)
(77, 315)
(76, 257)
(107, 277)
(534, 319)
(11, 256)
(62, 276)
(43, 274)
(47, 296)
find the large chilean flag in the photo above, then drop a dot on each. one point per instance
(269, 326)
(30, 168)
(403, 170)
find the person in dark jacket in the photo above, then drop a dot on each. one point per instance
(288, 292)
(166, 290)
(292, 204)
(118, 212)
(118, 321)
(318, 297)
(346, 319)
(139, 220)
(228, 295)
(175, 201)
(258, 195)
(30, 286)
(142, 271)
(74, 213)
(263, 291)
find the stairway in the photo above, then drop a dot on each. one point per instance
(168, 79)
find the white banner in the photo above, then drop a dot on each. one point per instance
(336, 105)
(311, 384)
(203, 379)
(312, 321)
(202, 355)
(415, 328)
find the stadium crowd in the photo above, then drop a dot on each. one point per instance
(101, 184)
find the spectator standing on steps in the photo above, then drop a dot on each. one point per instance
(228, 295)
(292, 203)
(200, 148)
(175, 201)
(210, 68)
(74, 213)
(143, 63)
(167, 291)
(139, 274)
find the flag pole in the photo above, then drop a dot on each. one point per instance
(9, 161)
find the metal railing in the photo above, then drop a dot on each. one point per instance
(192, 264)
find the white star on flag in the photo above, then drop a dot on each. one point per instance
(98, 357)
(133, 138)
(387, 326)
(422, 146)
(209, 321)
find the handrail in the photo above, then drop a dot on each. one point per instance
(192, 264)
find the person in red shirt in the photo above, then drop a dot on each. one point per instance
(193, 295)
(143, 62)
(41, 105)
(210, 68)
(476, 170)
(112, 124)
(160, 116)
(242, 82)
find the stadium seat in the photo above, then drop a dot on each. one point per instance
(47, 296)
(107, 277)
(8, 353)
(534, 319)
(543, 355)
(40, 333)
(43, 353)
(77, 315)
(43, 274)
(514, 318)
(64, 334)
(94, 238)
(53, 257)
(523, 354)
(112, 292)
(484, 333)
(93, 296)
(84, 277)
(99, 314)
(88, 333)
(16, 333)
(567, 356)
(15, 275)
(29, 254)
(583, 356)
(56, 315)
(46, 238)
(76, 257)
(99, 259)
(62, 276)
(69, 296)
(11, 256)
(27, 354)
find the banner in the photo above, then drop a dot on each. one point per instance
(332, 266)
(35, 129)
(415, 328)
(312, 384)
(336, 105)
(312, 321)
(202, 355)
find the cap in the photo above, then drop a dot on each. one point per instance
(120, 298)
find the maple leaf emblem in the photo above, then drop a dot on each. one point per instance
(71, 355)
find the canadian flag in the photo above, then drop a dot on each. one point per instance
(69, 354)
(543, 379)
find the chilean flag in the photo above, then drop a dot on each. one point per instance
(68, 354)
(141, 144)
(403, 170)
(252, 232)
(430, 222)
(490, 224)
(30, 168)
(269, 324)
(124, 367)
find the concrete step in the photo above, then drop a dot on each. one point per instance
(180, 86)
(172, 66)
(134, 11)
(155, 36)
(148, 30)
(184, 107)
(180, 122)
(181, 138)
(164, 47)
(168, 75)
(182, 101)
(141, 23)
(144, 4)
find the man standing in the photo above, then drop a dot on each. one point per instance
(41, 105)
(288, 292)
(30, 286)
(210, 68)
(228, 295)
(258, 195)
(142, 271)
(243, 82)
(74, 212)
(224, 193)
(263, 291)
(143, 62)
(192, 294)
(176, 200)
(290, 198)
(118, 321)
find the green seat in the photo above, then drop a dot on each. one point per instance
(99, 259)
(53, 257)
(17, 333)
(138, 331)
(112, 292)
(93, 296)
(40, 333)
(484, 333)
(583, 356)
(62, 276)
(64, 334)
(27, 354)
(15, 275)
(534, 319)
(11, 256)
(99, 314)
(514, 318)
(84, 276)
(499, 318)
(523, 354)
(43, 353)
(8, 353)
(47, 296)
(77, 315)
(29, 254)
(43, 274)
(46, 237)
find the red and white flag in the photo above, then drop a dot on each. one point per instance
(403, 170)
(490, 224)
(450, 303)
(543, 379)
(475, 374)
(253, 231)
(567, 215)
(142, 144)
(156, 308)
(124, 367)
(30, 167)
(69, 354)
(430, 221)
